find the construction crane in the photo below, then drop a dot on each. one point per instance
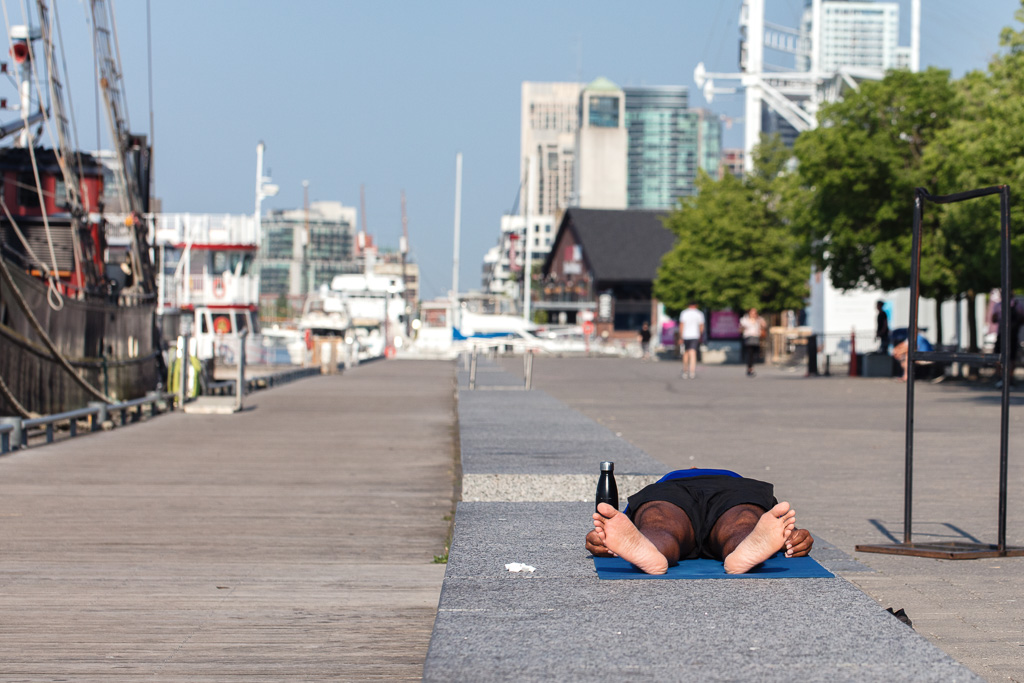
(132, 151)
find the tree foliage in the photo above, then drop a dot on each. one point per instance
(984, 146)
(734, 247)
(860, 168)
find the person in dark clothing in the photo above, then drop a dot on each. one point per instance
(1016, 312)
(645, 341)
(694, 513)
(882, 328)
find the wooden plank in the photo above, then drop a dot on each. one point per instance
(292, 540)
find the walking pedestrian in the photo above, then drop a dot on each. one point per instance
(644, 337)
(753, 329)
(691, 326)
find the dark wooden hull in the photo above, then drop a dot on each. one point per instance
(113, 347)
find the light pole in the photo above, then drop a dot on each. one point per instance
(264, 188)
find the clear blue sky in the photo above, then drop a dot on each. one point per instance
(384, 93)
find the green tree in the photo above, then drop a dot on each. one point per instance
(984, 147)
(734, 246)
(860, 168)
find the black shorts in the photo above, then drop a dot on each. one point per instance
(705, 499)
(691, 344)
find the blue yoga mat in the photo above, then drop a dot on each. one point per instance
(776, 567)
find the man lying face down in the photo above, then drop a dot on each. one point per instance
(699, 513)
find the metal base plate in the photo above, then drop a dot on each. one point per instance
(943, 551)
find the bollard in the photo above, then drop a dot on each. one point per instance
(240, 385)
(183, 380)
(96, 421)
(154, 407)
(472, 370)
(529, 369)
(853, 353)
(17, 437)
(812, 356)
(828, 366)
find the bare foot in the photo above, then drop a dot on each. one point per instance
(766, 539)
(621, 537)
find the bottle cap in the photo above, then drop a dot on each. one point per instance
(607, 466)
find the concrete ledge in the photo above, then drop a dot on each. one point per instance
(212, 405)
(563, 623)
(545, 487)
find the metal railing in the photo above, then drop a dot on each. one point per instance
(15, 431)
(228, 387)
(492, 349)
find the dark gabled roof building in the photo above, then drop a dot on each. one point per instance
(605, 260)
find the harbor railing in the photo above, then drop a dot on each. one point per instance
(15, 432)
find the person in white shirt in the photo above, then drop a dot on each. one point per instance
(753, 328)
(691, 331)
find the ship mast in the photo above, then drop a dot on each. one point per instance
(129, 148)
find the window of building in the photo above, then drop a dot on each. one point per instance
(604, 111)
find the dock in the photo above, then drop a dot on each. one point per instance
(293, 540)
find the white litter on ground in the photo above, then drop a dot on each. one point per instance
(519, 567)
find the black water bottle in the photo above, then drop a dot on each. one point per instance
(607, 491)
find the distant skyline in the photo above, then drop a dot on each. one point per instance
(384, 94)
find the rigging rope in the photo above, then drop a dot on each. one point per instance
(9, 395)
(71, 105)
(9, 279)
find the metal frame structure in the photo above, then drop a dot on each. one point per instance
(956, 550)
(795, 95)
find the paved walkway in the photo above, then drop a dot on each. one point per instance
(294, 540)
(834, 447)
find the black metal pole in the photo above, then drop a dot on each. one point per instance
(1006, 354)
(915, 295)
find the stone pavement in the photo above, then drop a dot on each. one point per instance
(834, 447)
(562, 623)
(292, 541)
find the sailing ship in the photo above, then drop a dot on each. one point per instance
(77, 319)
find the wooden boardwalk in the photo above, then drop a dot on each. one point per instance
(291, 541)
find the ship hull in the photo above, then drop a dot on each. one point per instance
(112, 347)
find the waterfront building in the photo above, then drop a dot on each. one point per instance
(548, 121)
(605, 261)
(668, 144)
(601, 147)
(503, 263)
(732, 162)
(302, 249)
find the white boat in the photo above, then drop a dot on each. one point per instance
(375, 305)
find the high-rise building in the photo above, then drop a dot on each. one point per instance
(548, 122)
(858, 35)
(601, 147)
(668, 143)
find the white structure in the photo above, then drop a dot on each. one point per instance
(503, 262)
(864, 35)
(838, 44)
(547, 130)
(836, 316)
(602, 147)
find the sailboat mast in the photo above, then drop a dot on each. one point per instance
(404, 249)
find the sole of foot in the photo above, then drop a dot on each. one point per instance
(767, 538)
(622, 537)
